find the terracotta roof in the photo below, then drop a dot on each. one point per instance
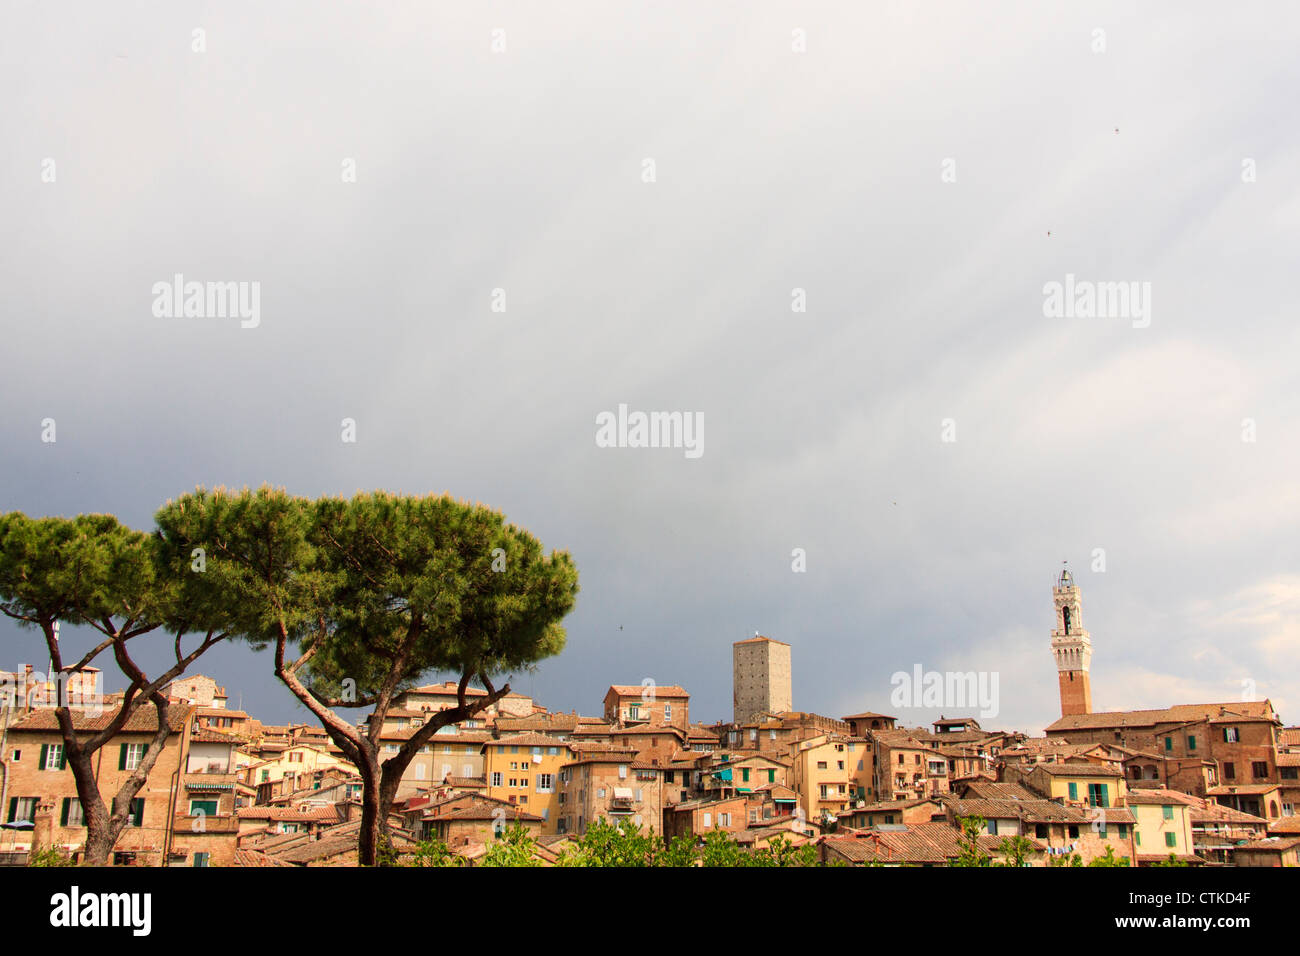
(636, 690)
(526, 740)
(866, 714)
(1246, 788)
(1179, 713)
(466, 782)
(291, 814)
(1272, 843)
(759, 639)
(933, 843)
(1084, 769)
(257, 858)
(143, 720)
(446, 687)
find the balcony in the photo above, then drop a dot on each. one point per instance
(205, 824)
(210, 781)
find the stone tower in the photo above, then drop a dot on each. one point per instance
(760, 678)
(1072, 648)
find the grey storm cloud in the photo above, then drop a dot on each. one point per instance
(920, 172)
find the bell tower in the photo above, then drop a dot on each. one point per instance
(1072, 647)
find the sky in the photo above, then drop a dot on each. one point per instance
(825, 228)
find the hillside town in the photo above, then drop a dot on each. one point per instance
(1213, 784)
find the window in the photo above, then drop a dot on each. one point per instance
(753, 735)
(622, 771)
(1259, 768)
(771, 776)
(201, 859)
(129, 756)
(668, 711)
(1167, 812)
(1171, 839)
(1123, 830)
(1073, 831)
(72, 815)
(545, 783)
(496, 779)
(708, 819)
(1098, 795)
(207, 808)
(1229, 771)
(1169, 743)
(992, 827)
(1040, 831)
(22, 808)
(52, 757)
(18, 755)
(1074, 790)
(266, 775)
(744, 775)
(136, 817)
(724, 819)
(1230, 735)
(295, 757)
(600, 793)
(1191, 741)
(821, 764)
(124, 858)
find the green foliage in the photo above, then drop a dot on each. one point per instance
(609, 844)
(969, 851)
(78, 569)
(1015, 850)
(1109, 859)
(378, 585)
(720, 849)
(50, 856)
(781, 851)
(514, 847)
(433, 852)
(626, 844)
(1068, 859)
(1172, 861)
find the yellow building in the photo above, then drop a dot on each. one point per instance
(1081, 784)
(523, 769)
(1163, 825)
(821, 775)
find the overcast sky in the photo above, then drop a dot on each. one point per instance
(774, 170)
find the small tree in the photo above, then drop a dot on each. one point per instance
(370, 594)
(720, 849)
(969, 851)
(1015, 850)
(781, 851)
(515, 846)
(1109, 859)
(92, 570)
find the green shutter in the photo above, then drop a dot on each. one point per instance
(45, 752)
(13, 809)
(63, 757)
(121, 757)
(137, 811)
(1074, 790)
(63, 816)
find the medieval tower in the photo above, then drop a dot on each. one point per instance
(1072, 648)
(760, 678)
